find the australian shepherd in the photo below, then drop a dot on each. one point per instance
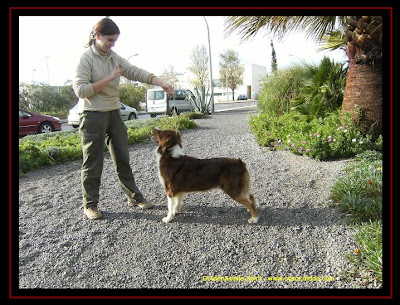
(180, 174)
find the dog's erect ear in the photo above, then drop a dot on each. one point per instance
(155, 134)
(179, 139)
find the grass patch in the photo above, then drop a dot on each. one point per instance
(359, 195)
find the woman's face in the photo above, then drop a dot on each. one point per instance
(106, 42)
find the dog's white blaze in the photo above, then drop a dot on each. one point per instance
(158, 156)
(176, 151)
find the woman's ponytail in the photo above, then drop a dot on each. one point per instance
(92, 39)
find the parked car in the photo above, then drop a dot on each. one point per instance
(127, 113)
(158, 102)
(32, 123)
(242, 97)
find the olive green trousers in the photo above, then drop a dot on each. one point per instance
(96, 129)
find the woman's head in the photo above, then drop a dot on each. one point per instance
(105, 33)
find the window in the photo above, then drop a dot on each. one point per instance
(180, 95)
(23, 114)
(155, 95)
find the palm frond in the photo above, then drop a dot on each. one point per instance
(314, 26)
(334, 41)
(317, 27)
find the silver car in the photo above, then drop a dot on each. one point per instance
(127, 113)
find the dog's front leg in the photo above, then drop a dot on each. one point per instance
(171, 210)
(178, 205)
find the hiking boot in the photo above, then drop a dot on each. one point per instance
(92, 213)
(143, 205)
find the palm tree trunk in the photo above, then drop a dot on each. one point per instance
(363, 97)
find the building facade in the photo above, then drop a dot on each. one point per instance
(253, 74)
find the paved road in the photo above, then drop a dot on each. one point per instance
(219, 107)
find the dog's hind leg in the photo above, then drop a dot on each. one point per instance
(239, 190)
(253, 210)
(248, 201)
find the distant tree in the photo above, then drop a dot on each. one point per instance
(68, 94)
(199, 67)
(274, 63)
(131, 95)
(231, 71)
(45, 99)
(170, 76)
(200, 71)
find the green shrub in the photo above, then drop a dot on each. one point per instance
(359, 196)
(309, 89)
(323, 91)
(360, 192)
(300, 111)
(280, 87)
(48, 149)
(140, 131)
(137, 135)
(334, 136)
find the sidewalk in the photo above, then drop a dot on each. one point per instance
(234, 102)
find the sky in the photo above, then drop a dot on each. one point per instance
(50, 46)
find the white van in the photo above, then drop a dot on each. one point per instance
(158, 102)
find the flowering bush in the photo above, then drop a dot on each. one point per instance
(334, 136)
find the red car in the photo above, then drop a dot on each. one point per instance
(32, 123)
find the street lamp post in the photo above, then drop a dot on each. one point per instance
(132, 56)
(130, 82)
(211, 79)
(48, 73)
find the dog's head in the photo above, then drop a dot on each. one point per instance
(166, 139)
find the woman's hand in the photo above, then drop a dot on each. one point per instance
(116, 72)
(101, 84)
(166, 87)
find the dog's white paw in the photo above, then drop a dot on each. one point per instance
(253, 220)
(166, 219)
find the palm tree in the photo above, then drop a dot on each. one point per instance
(360, 37)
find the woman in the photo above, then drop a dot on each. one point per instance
(96, 85)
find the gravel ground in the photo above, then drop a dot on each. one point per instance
(299, 242)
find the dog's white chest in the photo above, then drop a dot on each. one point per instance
(158, 156)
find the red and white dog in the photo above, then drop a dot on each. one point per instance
(180, 174)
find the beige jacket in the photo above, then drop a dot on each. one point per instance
(93, 67)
